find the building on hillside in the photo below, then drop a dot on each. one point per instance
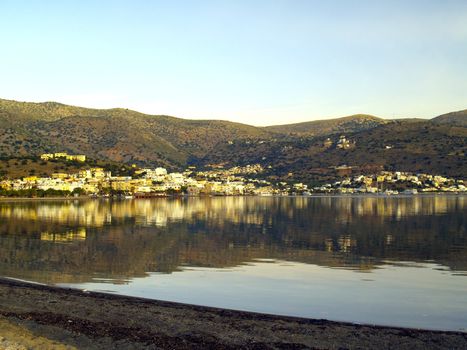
(5, 185)
(47, 156)
(59, 175)
(99, 173)
(30, 179)
(344, 143)
(59, 155)
(122, 185)
(76, 158)
(343, 170)
(160, 171)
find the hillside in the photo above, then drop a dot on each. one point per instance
(296, 151)
(116, 134)
(353, 123)
(415, 146)
(454, 118)
(124, 135)
(19, 167)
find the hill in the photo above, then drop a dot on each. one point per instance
(357, 122)
(115, 134)
(454, 118)
(415, 146)
(296, 151)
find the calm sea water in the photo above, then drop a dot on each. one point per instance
(381, 260)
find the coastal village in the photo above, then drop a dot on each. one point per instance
(245, 180)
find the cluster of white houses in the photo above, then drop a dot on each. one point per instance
(395, 182)
(64, 155)
(145, 182)
(220, 181)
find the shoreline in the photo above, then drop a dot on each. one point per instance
(79, 319)
(317, 195)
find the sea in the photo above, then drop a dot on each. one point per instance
(380, 260)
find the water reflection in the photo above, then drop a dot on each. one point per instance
(79, 241)
(247, 210)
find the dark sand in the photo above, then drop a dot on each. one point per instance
(42, 317)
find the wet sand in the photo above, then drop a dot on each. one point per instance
(42, 317)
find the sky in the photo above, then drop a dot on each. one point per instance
(260, 62)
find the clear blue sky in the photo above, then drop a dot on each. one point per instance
(254, 61)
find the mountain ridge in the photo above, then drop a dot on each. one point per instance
(131, 137)
(52, 110)
(326, 126)
(458, 118)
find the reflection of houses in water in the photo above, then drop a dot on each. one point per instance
(128, 238)
(68, 236)
(344, 244)
(350, 208)
(157, 212)
(389, 239)
(247, 210)
(329, 244)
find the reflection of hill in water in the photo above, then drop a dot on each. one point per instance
(75, 241)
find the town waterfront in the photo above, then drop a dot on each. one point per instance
(397, 261)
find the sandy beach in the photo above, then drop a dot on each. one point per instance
(42, 317)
